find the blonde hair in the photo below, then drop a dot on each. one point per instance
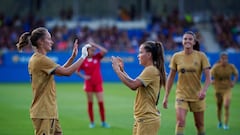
(28, 38)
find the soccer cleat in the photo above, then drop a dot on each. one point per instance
(225, 127)
(105, 125)
(91, 125)
(219, 125)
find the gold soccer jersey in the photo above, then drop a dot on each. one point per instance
(43, 87)
(189, 68)
(222, 76)
(145, 102)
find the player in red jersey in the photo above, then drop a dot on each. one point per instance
(93, 82)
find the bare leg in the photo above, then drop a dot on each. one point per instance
(199, 122)
(181, 117)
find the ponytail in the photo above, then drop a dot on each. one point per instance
(24, 40)
(160, 63)
(196, 46)
(157, 51)
(32, 38)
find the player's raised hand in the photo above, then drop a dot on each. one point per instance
(120, 63)
(117, 64)
(85, 50)
(75, 48)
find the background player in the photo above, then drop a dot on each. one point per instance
(189, 64)
(93, 82)
(222, 72)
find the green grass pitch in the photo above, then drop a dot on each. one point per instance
(16, 99)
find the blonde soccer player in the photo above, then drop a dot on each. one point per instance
(43, 110)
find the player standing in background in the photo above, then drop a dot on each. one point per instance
(147, 86)
(222, 72)
(93, 82)
(189, 64)
(42, 69)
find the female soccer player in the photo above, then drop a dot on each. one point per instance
(93, 83)
(222, 72)
(42, 69)
(189, 64)
(147, 86)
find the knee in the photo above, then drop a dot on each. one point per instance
(181, 123)
(226, 105)
(199, 125)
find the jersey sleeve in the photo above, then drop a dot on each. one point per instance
(212, 71)
(148, 74)
(47, 65)
(205, 62)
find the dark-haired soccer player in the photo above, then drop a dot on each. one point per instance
(189, 64)
(222, 73)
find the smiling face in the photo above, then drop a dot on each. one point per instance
(188, 41)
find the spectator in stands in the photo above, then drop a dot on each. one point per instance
(222, 73)
(112, 38)
(226, 29)
(42, 69)
(147, 86)
(189, 64)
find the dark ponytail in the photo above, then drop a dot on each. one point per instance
(157, 51)
(160, 63)
(196, 46)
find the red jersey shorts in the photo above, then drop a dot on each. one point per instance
(90, 87)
